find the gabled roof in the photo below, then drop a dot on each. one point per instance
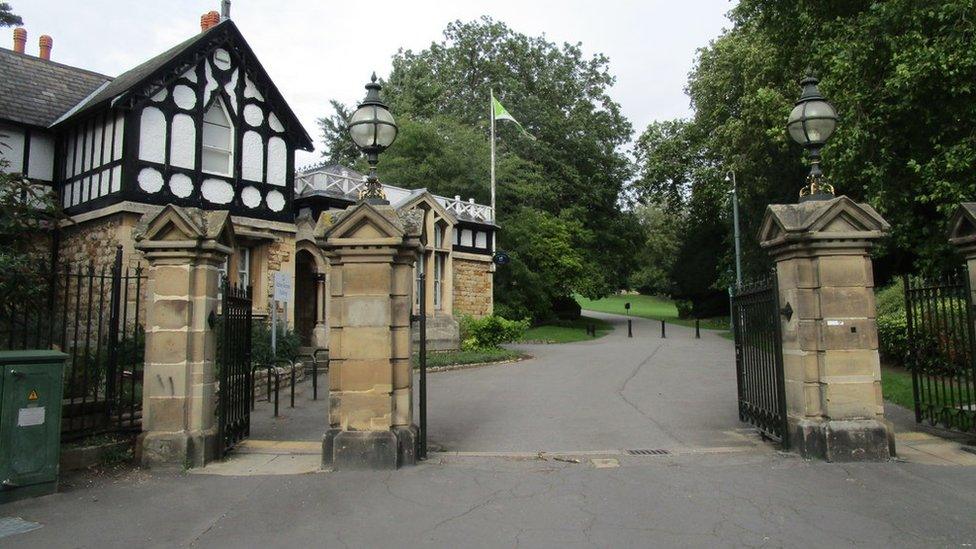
(133, 81)
(37, 91)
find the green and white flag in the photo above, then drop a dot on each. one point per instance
(501, 113)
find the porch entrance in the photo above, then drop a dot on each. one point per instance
(306, 301)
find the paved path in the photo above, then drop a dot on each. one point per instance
(613, 393)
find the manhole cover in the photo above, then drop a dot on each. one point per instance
(648, 452)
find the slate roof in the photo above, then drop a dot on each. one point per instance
(27, 76)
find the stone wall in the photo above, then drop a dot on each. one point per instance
(472, 286)
(96, 240)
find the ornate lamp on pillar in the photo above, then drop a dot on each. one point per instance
(810, 124)
(822, 249)
(372, 129)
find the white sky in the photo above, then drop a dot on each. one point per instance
(316, 50)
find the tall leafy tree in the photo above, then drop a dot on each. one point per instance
(901, 75)
(560, 191)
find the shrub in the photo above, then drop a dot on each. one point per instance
(893, 336)
(684, 308)
(287, 342)
(566, 308)
(490, 331)
(892, 323)
(890, 299)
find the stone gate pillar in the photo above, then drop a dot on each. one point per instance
(184, 248)
(371, 251)
(830, 337)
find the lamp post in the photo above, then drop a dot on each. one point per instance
(735, 227)
(372, 129)
(810, 124)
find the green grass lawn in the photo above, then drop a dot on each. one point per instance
(896, 386)
(646, 306)
(567, 331)
(451, 358)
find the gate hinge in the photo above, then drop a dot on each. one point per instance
(787, 311)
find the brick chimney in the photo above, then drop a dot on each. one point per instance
(20, 39)
(209, 20)
(45, 44)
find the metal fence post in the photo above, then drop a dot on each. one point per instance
(423, 366)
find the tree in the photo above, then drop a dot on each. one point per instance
(338, 146)
(7, 16)
(575, 169)
(562, 190)
(654, 258)
(900, 74)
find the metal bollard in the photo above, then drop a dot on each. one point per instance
(663, 335)
(630, 328)
(290, 364)
(277, 387)
(697, 330)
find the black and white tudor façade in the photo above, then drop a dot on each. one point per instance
(201, 125)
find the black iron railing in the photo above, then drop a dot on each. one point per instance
(234, 366)
(759, 358)
(95, 314)
(941, 359)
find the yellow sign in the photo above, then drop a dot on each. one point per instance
(32, 395)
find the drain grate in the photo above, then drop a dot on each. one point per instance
(648, 452)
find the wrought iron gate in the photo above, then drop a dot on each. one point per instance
(234, 365)
(759, 358)
(940, 356)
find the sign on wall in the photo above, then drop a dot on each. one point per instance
(282, 286)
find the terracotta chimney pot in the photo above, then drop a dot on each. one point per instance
(45, 44)
(209, 20)
(20, 39)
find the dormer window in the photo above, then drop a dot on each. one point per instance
(218, 140)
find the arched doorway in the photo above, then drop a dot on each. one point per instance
(306, 303)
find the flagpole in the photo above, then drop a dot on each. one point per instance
(491, 115)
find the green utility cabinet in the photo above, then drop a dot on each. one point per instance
(30, 422)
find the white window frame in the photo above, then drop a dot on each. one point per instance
(439, 264)
(243, 267)
(205, 147)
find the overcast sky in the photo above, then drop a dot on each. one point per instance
(316, 50)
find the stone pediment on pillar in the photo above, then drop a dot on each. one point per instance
(367, 225)
(962, 228)
(839, 219)
(179, 227)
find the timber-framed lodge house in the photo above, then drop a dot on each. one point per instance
(203, 125)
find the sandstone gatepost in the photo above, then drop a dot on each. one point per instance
(371, 251)
(185, 248)
(829, 333)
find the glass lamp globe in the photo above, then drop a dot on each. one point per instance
(372, 127)
(813, 119)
